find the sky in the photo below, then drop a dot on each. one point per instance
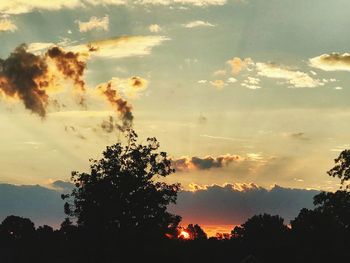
(242, 94)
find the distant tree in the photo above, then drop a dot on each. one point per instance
(44, 230)
(45, 235)
(223, 236)
(342, 168)
(122, 194)
(196, 232)
(261, 230)
(15, 228)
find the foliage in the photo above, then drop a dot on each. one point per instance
(342, 168)
(16, 228)
(121, 194)
(261, 230)
(196, 232)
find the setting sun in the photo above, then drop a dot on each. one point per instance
(184, 235)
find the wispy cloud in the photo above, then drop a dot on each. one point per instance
(24, 6)
(198, 23)
(296, 79)
(118, 47)
(94, 23)
(200, 3)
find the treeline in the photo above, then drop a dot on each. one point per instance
(118, 213)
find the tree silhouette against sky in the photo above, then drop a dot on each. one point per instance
(123, 195)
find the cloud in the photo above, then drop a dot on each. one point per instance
(199, 3)
(198, 23)
(219, 72)
(297, 136)
(94, 23)
(154, 28)
(30, 78)
(231, 80)
(7, 25)
(331, 62)
(235, 203)
(185, 164)
(35, 79)
(40, 204)
(121, 47)
(228, 204)
(296, 79)
(237, 64)
(218, 83)
(338, 88)
(122, 107)
(251, 83)
(24, 6)
(38, 47)
(129, 87)
(117, 47)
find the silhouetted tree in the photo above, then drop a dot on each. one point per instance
(121, 195)
(196, 232)
(342, 168)
(15, 228)
(329, 220)
(262, 230)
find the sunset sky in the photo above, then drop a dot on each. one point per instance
(243, 95)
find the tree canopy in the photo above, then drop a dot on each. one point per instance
(123, 194)
(342, 168)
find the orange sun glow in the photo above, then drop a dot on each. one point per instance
(184, 235)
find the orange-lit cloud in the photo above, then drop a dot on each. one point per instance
(237, 64)
(30, 78)
(122, 107)
(218, 83)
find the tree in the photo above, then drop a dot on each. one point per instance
(122, 194)
(342, 168)
(261, 230)
(16, 228)
(196, 232)
(330, 220)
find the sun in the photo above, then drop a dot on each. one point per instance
(184, 235)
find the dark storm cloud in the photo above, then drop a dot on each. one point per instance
(233, 204)
(40, 204)
(230, 204)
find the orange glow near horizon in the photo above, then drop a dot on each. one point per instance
(184, 235)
